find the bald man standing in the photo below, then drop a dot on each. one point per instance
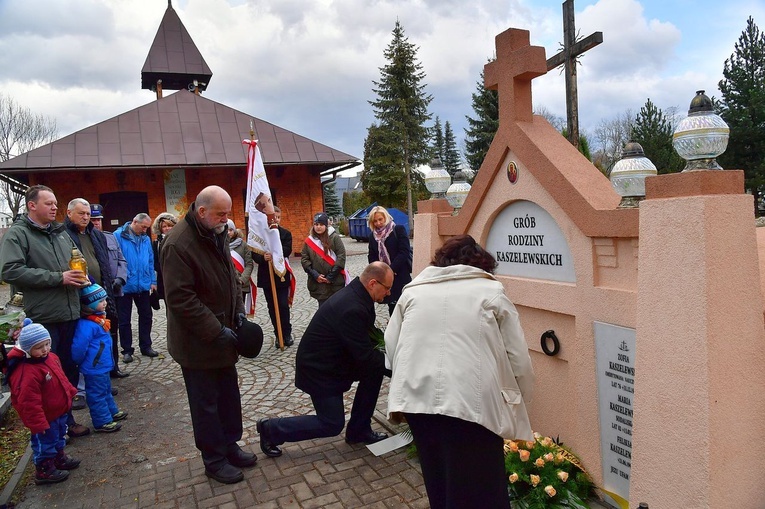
(204, 306)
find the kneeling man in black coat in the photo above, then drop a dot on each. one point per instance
(334, 352)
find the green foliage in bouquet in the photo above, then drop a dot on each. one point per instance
(9, 323)
(377, 337)
(544, 475)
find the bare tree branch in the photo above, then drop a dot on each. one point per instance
(21, 130)
(611, 136)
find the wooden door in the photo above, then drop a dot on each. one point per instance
(121, 207)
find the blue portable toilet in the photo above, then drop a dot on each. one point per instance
(359, 228)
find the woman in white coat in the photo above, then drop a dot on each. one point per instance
(462, 375)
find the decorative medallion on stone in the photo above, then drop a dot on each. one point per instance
(512, 172)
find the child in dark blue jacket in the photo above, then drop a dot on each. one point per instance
(92, 351)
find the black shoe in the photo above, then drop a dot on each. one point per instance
(149, 352)
(269, 448)
(367, 438)
(288, 341)
(116, 373)
(115, 391)
(127, 358)
(227, 474)
(78, 403)
(242, 459)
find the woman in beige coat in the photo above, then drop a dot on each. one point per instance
(462, 375)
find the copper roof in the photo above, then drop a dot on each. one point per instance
(174, 58)
(182, 129)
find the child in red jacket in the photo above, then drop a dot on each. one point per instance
(42, 396)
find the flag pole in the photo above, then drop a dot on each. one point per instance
(275, 301)
(278, 320)
(276, 305)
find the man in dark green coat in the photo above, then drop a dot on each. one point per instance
(34, 257)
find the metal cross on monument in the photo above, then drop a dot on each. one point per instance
(567, 57)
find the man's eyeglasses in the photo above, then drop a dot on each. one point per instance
(383, 285)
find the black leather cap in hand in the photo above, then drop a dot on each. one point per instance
(249, 339)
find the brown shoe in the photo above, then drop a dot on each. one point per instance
(78, 430)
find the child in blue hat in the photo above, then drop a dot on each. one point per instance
(92, 351)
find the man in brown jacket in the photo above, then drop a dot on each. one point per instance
(204, 306)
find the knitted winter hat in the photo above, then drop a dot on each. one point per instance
(91, 295)
(231, 225)
(31, 334)
(322, 218)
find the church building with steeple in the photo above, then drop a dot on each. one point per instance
(157, 157)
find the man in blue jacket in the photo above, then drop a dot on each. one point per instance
(135, 244)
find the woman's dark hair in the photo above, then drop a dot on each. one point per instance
(323, 238)
(464, 250)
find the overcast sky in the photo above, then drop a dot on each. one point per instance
(308, 65)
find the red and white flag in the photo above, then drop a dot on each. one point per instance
(249, 300)
(263, 232)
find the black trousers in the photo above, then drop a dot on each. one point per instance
(463, 463)
(125, 312)
(330, 416)
(216, 412)
(113, 316)
(282, 297)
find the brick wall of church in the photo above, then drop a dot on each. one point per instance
(296, 189)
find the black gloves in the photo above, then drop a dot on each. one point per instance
(333, 272)
(117, 284)
(239, 320)
(226, 336)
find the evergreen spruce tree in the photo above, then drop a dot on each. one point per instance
(382, 178)
(331, 201)
(653, 130)
(481, 130)
(451, 158)
(438, 140)
(743, 108)
(353, 201)
(400, 138)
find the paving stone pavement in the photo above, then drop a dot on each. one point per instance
(152, 461)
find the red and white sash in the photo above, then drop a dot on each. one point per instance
(318, 248)
(249, 301)
(293, 283)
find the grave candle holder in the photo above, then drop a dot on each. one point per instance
(457, 192)
(437, 180)
(701, 136)
(629, 173)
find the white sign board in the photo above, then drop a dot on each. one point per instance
(176, 201)
(615, 365)
(527, 242)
